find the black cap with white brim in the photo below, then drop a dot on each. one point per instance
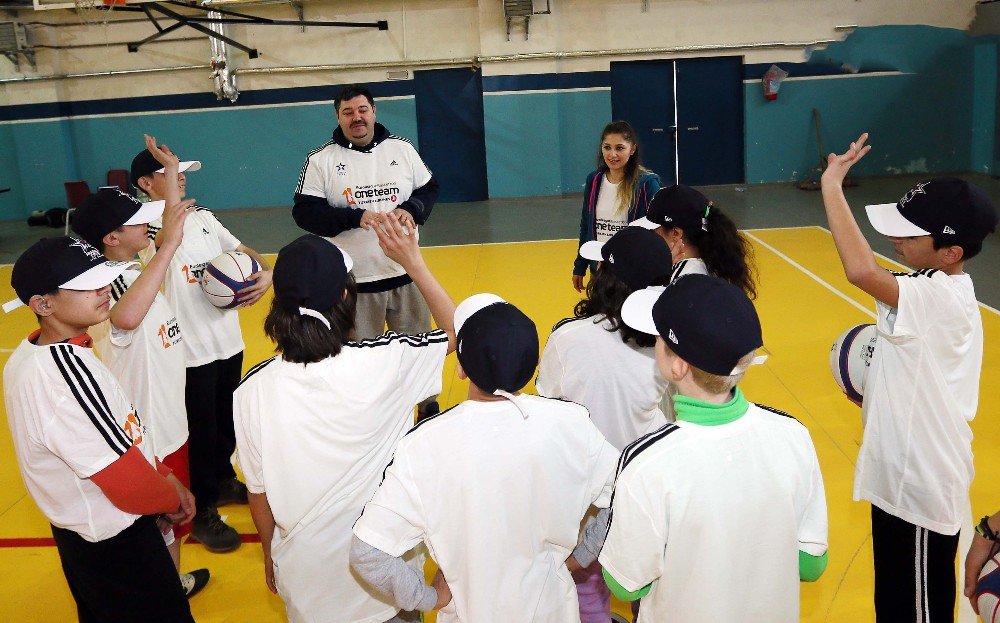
(706, 321)
(310, 275)
(950, 209)
(61, 263)
(497, 344)
(637, 256)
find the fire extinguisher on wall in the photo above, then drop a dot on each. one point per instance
(772, 82)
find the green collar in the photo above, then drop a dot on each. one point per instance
(710, 414)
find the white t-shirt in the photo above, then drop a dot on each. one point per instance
(618, 383)
(715, 516)
(915, 461)
(498, 497)
(610, 216)
(69, 419)
(378, 179)
(148, 361)
(316, 438)
(690, 266)
(210, 333)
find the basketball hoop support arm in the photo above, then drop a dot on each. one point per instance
(227, 17)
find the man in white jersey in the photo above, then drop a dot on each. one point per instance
(317, 424)
(214, 347)
(915, 462)
(724, 462)
(496, 487)
(83, 450)
(365, 171)
(141, 343)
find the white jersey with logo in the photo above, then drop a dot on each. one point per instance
(315, 438)
(378, 180)
(149, 362)
(69, 419)
(610, 215)
(210, 333)
(715, 516)
(586, 362)
(922, 391)
(497, 495)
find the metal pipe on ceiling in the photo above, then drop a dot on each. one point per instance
(473, 61)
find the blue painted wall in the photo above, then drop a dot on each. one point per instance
(938, 113)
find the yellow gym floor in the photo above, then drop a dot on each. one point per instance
(804, 303)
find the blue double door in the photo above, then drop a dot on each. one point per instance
(688, 114)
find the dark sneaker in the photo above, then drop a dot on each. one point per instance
(232, 491)
(209, 529)
(427, 410)
(194, 581)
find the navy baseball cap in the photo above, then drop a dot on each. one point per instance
(310, 275)
(706, 321)
(952, 210)
(145, 164)
(497, 343)
(635, 255)
(108, 209)
(64, 262)
(676, 206)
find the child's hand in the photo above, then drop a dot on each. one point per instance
(162, 154)
(838, 166)
(173, 223)
(253, 293)
(443, 590)
(398, 245)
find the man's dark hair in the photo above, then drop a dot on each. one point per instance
(606, 294)
(350, 92)
(969, 249)
(304, 339)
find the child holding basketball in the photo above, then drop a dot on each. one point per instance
(82, 447)
(214, 350)
(922, 390)
(317, 425)
(718, 516)
(619, 191)
(702, 239)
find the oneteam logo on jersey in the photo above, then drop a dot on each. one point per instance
(371, 194)
(170, 333)
(134, 428)
(193, 272)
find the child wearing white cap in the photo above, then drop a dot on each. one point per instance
(496, 487)
(922, 390)
(84, 452)
(316, 425)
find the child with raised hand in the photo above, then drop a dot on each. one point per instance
(142, 341)
(724, 462)
(922, 390)
(214, 346)
(82, 447)
(317, 424)
(496, 486)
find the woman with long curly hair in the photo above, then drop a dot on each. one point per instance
(702, 239)
(618, 192)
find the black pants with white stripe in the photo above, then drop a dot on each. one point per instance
(208, 397)
(129, 578)
(914, 572)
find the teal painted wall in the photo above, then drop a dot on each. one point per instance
(251, 157)
(937, 115)
(920, 121)
(525, 158)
